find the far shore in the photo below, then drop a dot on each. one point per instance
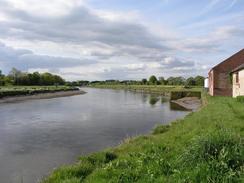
(41, 96)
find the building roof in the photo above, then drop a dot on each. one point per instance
(234, 58)
(241, 67)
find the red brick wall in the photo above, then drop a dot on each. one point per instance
(220, 83)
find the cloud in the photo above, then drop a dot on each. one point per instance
(211, 42)
(80, 26)
(174, 63)
(26, 59)
(104, 34)
(44, 7)
(73, 38)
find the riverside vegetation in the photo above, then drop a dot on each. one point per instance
(205, 146)
(18, 83)
(10, 91)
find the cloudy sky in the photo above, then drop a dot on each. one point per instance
(119, 39)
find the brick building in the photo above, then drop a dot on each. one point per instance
(220, 83)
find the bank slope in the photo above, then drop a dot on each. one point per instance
(206, 146)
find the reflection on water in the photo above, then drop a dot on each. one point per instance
(39, 135)
(164, 99)
(153, 99)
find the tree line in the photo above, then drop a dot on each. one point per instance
(153, 80)
(17, 77)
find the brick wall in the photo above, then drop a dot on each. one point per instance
(220, 84)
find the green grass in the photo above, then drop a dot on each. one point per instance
(240, 99)
(206, 146)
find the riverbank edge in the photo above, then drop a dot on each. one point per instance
(178, 95)
(170, 141)
(46, 95)
(150, 89)
(189, 103)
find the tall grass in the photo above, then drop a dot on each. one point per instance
(215, 157)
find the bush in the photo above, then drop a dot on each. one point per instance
(240, 99)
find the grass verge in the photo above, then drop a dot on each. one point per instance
(206, 146)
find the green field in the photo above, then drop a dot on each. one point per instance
(7, 91)
(206, 146)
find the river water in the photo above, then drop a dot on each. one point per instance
(39, 135)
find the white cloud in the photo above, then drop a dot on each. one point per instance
(61, 34)
(46, 7)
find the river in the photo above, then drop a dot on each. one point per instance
(39, 135)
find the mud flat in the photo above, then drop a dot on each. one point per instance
(41, 96)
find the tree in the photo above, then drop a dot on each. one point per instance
(24, 79)
(161, 80)
(35, 78)
(144, 81)
(176, 81)
(15, 74)
(190, 81)
(2, 83)
(199, 80)
(153, 80)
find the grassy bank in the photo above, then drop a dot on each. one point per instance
(175, 92)
(160, 89)
(8, 91)
(206, 146)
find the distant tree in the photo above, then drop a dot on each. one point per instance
(161, 80)
(35, 78)
(153, 80)
(144, 81)
(176, 81)
(83, 83)
(199, 80)
(58, 80)
(15, 75)
(190, 81)
(2, 82)
(24, 79)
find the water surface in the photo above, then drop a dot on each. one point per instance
(39, 135)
